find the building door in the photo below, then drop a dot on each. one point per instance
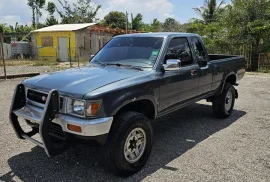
(62, 49)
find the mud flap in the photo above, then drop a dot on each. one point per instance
(51, 110)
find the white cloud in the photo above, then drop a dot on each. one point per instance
(12, 11)
(149, 8)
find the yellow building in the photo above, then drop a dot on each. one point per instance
(75, 42)
(62, 42)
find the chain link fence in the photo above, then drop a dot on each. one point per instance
(21, 65)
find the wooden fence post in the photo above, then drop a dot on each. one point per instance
(2, 50)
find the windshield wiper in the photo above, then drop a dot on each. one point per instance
(99, 62)
(129, 66)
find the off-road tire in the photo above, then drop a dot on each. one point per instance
(123, 124)
(219, 102)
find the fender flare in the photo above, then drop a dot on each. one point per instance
(125, 101)
(221, 87)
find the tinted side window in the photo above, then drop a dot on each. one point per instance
(199, 51)
(179, 49)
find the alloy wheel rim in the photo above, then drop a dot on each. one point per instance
(228, 101)
(135, 145)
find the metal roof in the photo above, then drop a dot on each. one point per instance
(157, 34)
(65, 27)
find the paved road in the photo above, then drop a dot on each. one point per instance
(190, 145)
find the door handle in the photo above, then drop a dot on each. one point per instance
(193, 72)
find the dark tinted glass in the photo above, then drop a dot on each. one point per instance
(135, 51)
(179, 49)
(199, 51)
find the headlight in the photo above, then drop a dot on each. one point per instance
(78, 107)
(84, 108)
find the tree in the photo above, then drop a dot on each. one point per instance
(136, 22)
(154, 26)
(170, 25)
(84, 11)
(51, 8)
(209, 11)
(115, 19)
(36, 6)
(51, 20)
(248, 22)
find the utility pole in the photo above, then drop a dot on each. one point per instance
(126, 22)
(131, 21)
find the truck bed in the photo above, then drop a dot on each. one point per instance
(220, 56)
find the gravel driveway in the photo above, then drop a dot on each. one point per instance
(190, 145)
(16, 70)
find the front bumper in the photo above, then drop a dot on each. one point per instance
(45, 117)
(90, 127)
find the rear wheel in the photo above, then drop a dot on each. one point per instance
(129, 143)
(224, 103)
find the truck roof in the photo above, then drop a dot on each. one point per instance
(158, 34)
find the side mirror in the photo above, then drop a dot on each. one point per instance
(172, 64)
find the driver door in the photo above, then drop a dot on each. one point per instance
(179, 86)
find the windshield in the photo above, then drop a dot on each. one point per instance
(134, 51)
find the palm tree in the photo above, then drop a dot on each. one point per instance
(209, 11)
(36, 6)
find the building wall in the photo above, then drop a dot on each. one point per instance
(51, 52)
(33, 46)
(83, 52)
(7, 51)
(104, 38)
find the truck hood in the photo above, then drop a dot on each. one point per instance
(79, 81)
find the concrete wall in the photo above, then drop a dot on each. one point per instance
(7, 51)
(33, 45)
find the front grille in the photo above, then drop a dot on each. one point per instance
(41, 98)
(61, 103)
(37, 96)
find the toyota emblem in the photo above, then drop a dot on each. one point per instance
(43, 98)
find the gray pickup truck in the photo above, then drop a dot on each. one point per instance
(131, 81)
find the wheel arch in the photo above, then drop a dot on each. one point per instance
(145, 105)
(229, 78)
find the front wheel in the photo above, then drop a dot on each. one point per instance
(129, 143)
(224, 103)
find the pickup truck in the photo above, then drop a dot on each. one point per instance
(113, 100)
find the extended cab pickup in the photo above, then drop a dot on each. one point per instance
(131, 81)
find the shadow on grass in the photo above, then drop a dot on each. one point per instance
(174, 135)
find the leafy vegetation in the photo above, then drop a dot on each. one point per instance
(115, 19)
(36, 6)
(239, 27)
(83, 11)
(51, 20)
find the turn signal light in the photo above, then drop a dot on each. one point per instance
(92, 109)
(74, 128)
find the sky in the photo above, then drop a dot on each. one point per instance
(12, 11)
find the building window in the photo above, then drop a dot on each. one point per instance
(47, 41)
